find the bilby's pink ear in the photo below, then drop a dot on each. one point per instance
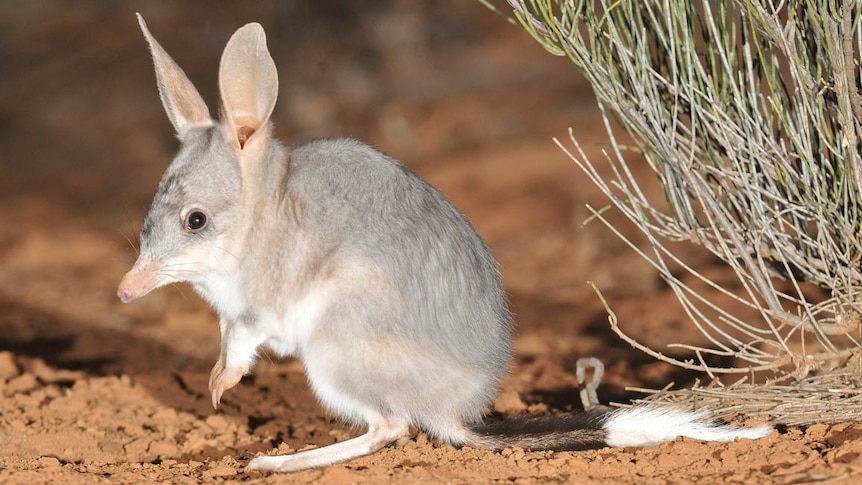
(248, 83)
(183, 104)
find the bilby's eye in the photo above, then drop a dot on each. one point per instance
(195, 221)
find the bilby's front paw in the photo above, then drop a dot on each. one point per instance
(223, 378)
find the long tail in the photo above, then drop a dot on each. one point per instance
(645, 425)
(600, 426)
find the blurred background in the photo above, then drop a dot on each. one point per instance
(467, 100)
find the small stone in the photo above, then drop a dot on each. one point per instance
(509, 403)
(339, 434)
(18, 426)
(137, 447)
(220, 471)
(339, 474)
(163, 449)
(194, 441)
(538, 408)
(49, 462)
(48, 374)
(216, 422)
(817, 432)
(8, 367)
(165, 415)
(22, 383)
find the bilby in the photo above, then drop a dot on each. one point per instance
(342, 257)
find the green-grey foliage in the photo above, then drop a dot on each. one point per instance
(749, 112)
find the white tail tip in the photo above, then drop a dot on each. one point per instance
(651, 425)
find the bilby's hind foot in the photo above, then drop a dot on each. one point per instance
(381, 432)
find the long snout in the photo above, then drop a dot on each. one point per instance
(140, 280)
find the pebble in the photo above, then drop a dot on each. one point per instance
(49, 462)
(220, 471)
(22, 383)
(8, 367)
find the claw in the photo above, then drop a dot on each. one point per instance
(223, 378)
(216, 398)
(217, 369)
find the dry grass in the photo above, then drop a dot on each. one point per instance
(750, 114)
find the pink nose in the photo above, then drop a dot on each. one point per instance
(126, 294)
(137, 282)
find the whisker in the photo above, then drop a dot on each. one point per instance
(178, 272)
(238, 260)
(179, 288)
(165, 269)
(230, 254)
(130, 228)
(131, 243)
(176, 267)
(264, 351)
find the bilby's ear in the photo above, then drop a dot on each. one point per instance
(248, 83)
(183, 104)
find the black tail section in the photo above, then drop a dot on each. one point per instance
(562, 432)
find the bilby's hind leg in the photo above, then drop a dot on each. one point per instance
(381, 432)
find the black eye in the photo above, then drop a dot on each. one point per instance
(196, 221)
